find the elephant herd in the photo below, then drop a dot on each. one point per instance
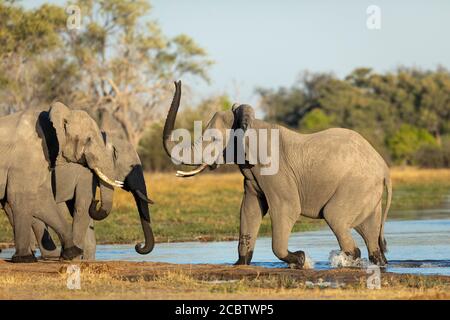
(53, 160)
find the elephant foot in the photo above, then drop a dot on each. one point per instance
(295, 260)
(244, 260)
(356, 254)
(378, 258)
(24, 259)
(71, 253)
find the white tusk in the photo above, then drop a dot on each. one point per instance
(104, 178)
(191, 173)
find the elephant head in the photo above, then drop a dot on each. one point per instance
(127, 168)
(80, 141)
(239, 117)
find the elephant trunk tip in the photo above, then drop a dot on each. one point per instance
(149, 239)
(97, 214)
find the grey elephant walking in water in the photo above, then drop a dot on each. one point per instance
(335, 175)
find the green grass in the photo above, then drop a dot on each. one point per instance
(206, 207)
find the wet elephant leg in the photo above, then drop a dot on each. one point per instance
(253, 208)
(370, 232)
(341, 230)
(282, 222)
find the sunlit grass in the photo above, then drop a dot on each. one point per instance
(206, 207)
(103, 282)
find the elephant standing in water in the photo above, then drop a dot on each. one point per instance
(75, 188)
(335, 175)
(26, 165)
(35, 141)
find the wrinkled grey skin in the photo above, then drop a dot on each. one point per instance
(334, 175)
(76, 187)
(31, 143)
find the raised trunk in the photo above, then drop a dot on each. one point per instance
(169, 126)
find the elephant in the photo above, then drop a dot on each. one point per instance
(75, 189)
(26, 168)
(334, 174)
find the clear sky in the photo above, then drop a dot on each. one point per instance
(267, 43)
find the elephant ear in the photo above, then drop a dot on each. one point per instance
(59, 114)
(244, 115)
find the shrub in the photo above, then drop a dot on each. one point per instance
(430, 156)
(407, 141)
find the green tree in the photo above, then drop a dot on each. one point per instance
(407, 141)
(118, 60)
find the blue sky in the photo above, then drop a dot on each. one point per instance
(266, 43)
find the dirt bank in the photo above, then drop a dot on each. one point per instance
(146, 280)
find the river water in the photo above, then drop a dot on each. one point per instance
(415, 246)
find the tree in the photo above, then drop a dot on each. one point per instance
(29, 46)
(376, 105)
(407, 141)
(117, 61)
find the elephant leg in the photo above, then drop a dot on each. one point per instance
(22, 236)
(370, 232)
(281, 229)
(89, 243)
(284, 212)
(81, 218)
(253, 208)
(44, 240)
(58, 223)
(333, 216)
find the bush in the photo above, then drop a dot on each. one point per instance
(430, 156)
(406, 142)
(314, 121)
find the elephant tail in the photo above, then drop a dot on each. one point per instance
(381, 240)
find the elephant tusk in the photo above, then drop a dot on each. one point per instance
(104, 178)
(191, 173)
(144, 197)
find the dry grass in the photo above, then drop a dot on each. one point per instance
(408, 175)
(107, 281)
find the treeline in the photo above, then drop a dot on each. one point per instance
(119, 60)
(404, 114)
(94, 55)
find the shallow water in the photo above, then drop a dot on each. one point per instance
(415, 246)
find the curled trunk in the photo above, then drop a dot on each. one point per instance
(106, 202)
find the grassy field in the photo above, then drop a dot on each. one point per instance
(206, 207)
(128, 280)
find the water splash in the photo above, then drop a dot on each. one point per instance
(309, 263)
(339, 259)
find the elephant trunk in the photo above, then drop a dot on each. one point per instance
(167, 132)
(106, 195)
(146, 227)
(135, 183)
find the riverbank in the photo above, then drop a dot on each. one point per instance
(145, 280)
(206, 207)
